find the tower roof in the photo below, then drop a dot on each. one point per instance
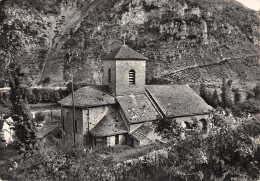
(124, 53)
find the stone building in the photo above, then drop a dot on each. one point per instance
(122, 109)
(6, 131)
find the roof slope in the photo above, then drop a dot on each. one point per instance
(89, 96)
(137, 108)
(178, 100)
(47, 129)
(124, 53)
(145, 133)
(110, 125)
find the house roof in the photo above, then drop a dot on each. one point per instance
(178, 100)
(47, 128)
(110, 125)
(89, 96)
(124, 53)
(137, 108)
(145, 133)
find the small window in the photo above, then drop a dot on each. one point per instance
(132, 77)
(109, 75)
(188, 126)
(117, 139)
(76, 126)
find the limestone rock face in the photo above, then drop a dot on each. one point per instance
(204, 31)
(135, 15)
(184, 41)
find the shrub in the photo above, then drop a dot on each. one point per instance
(46, 80)
(39, 117)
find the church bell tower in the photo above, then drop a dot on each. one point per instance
(124, 71)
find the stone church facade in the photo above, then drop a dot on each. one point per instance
(121, 111)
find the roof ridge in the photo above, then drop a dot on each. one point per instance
(136, 128)
(124, 52)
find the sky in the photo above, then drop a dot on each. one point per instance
(252, 4)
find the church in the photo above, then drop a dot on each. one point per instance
(122, 109)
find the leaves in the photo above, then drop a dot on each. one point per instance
(225, 153)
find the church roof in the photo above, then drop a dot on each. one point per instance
(110, 125)
(145, 133)
(178, 100)
(124, 53)
(89, 96)
(137, 108)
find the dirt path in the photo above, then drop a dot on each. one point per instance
(167, 73)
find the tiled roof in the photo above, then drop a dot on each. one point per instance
(47, 128)
(89, 96)
(137, 108)
(145, 133)
(178, 100)
(124, 53)
(110, 125)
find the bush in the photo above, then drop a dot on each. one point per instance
(39, 117)
(46, 80)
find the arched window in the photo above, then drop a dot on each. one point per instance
(188, 126)
(109, 75)
(132, 77)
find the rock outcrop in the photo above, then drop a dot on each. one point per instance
(185, 40)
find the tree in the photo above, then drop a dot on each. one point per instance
(226, 154)
(205, 94)
(237, 96)
(249, 95)
(39, 117)
(46, 80)
(226, 94)
(256, 91)
(57, 96)
(215, 102)
(23, 124)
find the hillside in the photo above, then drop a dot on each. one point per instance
(186, 41)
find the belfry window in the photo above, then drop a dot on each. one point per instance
(109, 75)
(132, 77)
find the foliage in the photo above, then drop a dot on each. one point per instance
(226, 93)
(203, 91)
(39, 117)
(44, 95)
(237, 96)
(23, 124)
(256, 91)
(60, 163)
(229, 153)
(47, 80)
(215, 101)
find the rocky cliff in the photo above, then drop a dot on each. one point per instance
(185, 40)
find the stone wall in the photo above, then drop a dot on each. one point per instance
(67, 124)
(122, 77)
(189, 119)
(112, 65)
(95, 115)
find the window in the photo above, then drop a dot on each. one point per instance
(109, 75)
(188, 126)
(76, 126)
(117, 139)
(132, 77)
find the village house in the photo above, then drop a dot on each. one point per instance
(6, 131)
(121, 111)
